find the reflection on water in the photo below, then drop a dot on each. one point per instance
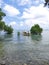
(1, 50)
(24, 49)
(36, 37)
(7, 35)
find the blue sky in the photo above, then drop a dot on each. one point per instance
(22, 14)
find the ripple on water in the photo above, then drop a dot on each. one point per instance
(25, 50)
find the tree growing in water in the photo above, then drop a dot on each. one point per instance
(36, 30)
(3, 26)
(8, 29)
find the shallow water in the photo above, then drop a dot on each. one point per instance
(25, 49)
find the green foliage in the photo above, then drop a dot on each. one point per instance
(2, 14)
(18, 33)
(36, 29)
(8, 29)
(2, 24)
(46, 2)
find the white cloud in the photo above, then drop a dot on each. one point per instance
(39, 1)
(16, 25)
(19, 25)
(36, 15)
(12, 23)
(34, 11)
(33, 15)
(11, 11)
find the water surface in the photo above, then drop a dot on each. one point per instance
(24, 49)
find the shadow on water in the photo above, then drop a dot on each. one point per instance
(36, 37)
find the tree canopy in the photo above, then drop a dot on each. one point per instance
(8, 29)
(3, 26)
(36, 29)
(46, 3)
(2, 14)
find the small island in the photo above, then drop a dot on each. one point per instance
(36, 30)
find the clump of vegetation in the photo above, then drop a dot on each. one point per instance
(8, 29)
(2, 14)
(18, 33)
(36, 30)
(46, 3)
(3, 26)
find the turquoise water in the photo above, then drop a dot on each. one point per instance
(24, 49)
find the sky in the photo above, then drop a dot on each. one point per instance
(23, 14)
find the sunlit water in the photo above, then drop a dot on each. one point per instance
(24, 49)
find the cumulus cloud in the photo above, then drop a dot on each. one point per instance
(39, 1)
(36, 15)
(19, 25)
(33, 15)
(16, 25)
(10, 10)
(30, 16)
(12, 23)
(34, 11)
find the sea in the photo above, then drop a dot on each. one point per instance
(24, 50)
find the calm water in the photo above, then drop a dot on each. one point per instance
(24, 49)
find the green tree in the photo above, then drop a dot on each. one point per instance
(2, 23)
(36, 29)
(3, 26)
(8, 29)
(2, 14)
